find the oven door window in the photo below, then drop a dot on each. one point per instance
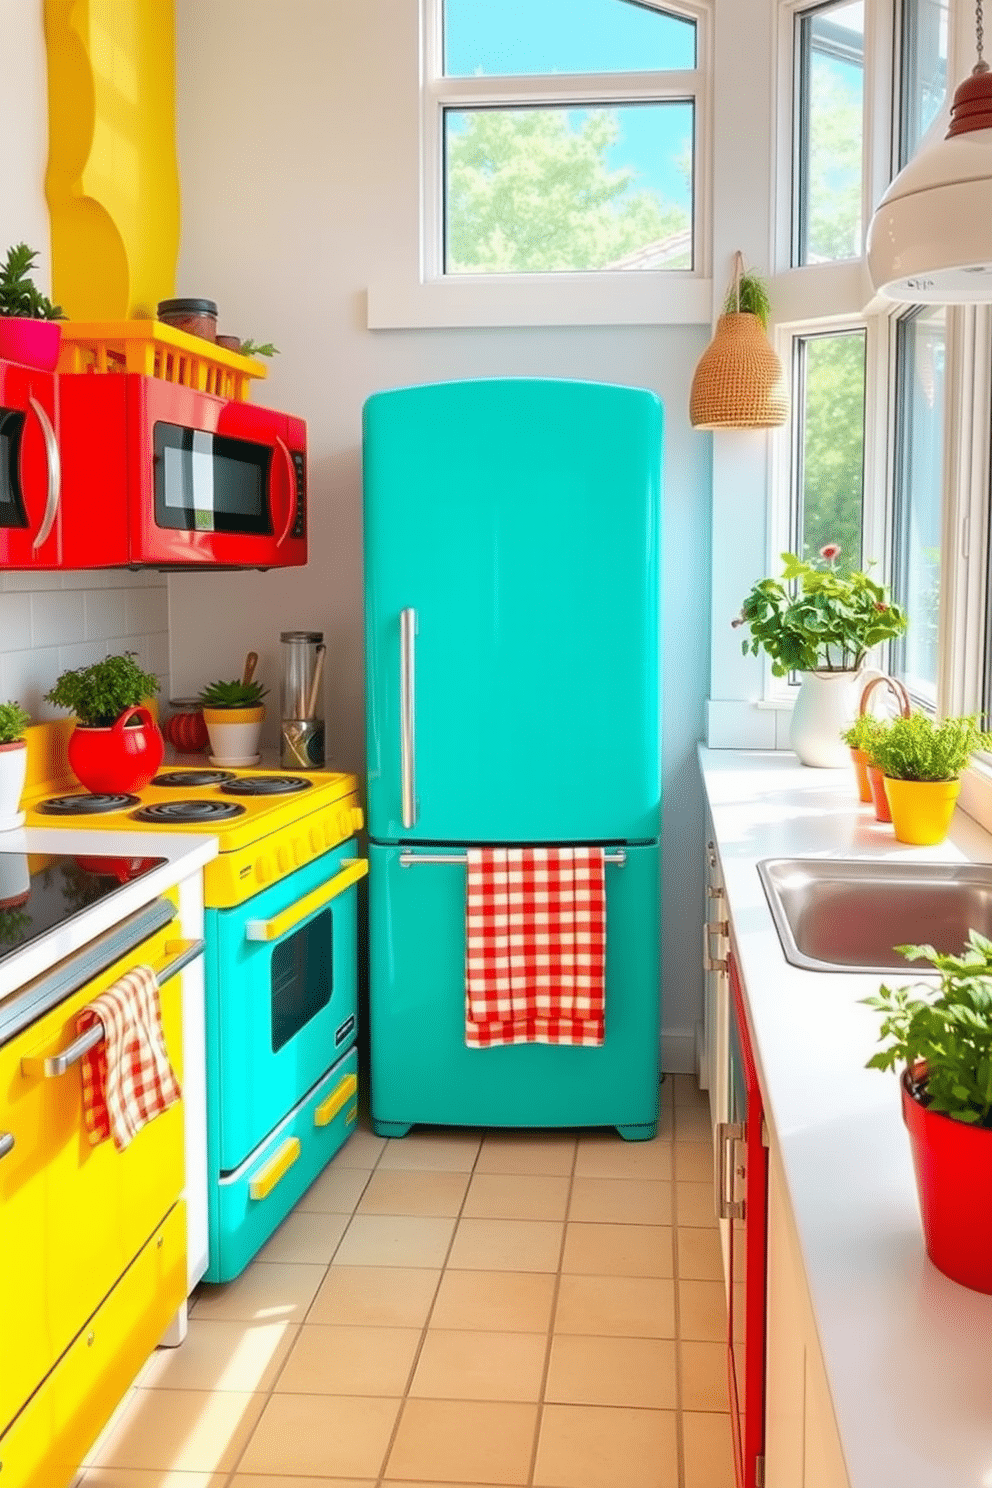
(302, 977)
(210, 482)
(12, 512)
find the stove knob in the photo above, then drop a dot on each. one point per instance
(264, 870)
(316, 840)
(299, 851)
(282, 859)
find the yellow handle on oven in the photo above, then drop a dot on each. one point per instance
(352, 869)
(275, 1169)
(325, 1113)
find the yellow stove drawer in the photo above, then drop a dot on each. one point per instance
(45, 1445)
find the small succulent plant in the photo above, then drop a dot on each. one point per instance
(13, 722)
(19, 295)
(234, 694)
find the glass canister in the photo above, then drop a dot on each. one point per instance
(302, 735)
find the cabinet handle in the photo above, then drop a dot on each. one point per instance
(352, 869)
(710, 928)
(6, 1143)
(181, 953)
(727, 1133)
(325, 1113)
(715, 891)
(275, 1169)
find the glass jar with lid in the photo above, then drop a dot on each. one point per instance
(302, 732)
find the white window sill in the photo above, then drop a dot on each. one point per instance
(541, 300)
(976, 793)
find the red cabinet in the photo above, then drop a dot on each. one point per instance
(743, 1178)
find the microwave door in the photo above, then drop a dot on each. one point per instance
(30, 472)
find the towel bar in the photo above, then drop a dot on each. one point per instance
(408, 859)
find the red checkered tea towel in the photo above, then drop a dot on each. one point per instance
(127, 1078)
(535, 946)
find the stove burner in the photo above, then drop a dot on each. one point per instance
(187, 778)
(168, 813)
(85, 805)
(264, 785)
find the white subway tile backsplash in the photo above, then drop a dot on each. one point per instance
(106, 614)
(147, 610)
(31, 581)
(27, 676)
(15, 622)
(57, 619)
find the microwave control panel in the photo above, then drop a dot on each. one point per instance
(300, 521)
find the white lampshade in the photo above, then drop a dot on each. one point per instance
(930, 240)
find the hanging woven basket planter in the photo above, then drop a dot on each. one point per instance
(739, 382)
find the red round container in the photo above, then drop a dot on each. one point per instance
(186, 731)
(117, 759)
(953, 1164)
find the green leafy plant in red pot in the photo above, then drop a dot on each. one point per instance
(29, 323)
(116, 745)
(942, 1037)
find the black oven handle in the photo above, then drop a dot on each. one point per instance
(352, 869)
(181, 953)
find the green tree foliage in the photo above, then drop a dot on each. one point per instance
(529, 191)
(834, 445)
(835, 161)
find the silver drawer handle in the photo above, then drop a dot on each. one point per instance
(54, 463)
(55, 1065)
(410, 859)
(727, 1133)
(6, 1143)
(711, 928)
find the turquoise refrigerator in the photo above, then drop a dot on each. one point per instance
(512, 540)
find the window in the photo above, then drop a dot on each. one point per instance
(923, 54)
(828, 144)
(918, 486)
(829, 460)
(562, 137)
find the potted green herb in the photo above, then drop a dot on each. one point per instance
(921, 759)
(116, 745)
(13, 763)
(942, 1038)
(820, 622)
(234, 713)
(859, 738)
(29, 329)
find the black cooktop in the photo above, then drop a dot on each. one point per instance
(43, 890)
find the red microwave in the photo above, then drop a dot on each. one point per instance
(30, 469)
(158, 475)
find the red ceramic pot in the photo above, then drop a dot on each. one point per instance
(187, 731)
(953, 1165)
(117, 759)
(33, 343)
(876, 781)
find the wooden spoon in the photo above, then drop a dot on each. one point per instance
(251, 662)
(315, 686)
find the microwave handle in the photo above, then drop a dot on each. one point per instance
(54, 464)
(283, 449)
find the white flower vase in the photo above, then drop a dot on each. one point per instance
(13, 770)
(825, 707)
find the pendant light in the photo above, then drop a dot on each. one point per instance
(930, 240)
(739, 382)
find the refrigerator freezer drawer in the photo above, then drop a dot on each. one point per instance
(421, 1069)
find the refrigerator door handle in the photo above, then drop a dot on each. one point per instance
(411, 859)
(408, 781)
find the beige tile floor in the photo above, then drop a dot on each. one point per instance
(459, 1308)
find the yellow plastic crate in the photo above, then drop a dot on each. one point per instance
(157, 350)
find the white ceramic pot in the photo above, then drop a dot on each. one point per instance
(235, 734)
(13, 770)
(825, 707)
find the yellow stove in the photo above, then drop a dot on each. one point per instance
(268, 822)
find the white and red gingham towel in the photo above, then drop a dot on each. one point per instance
(535, 946)
(127, 1078)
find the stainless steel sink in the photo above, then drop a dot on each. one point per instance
(835, 914)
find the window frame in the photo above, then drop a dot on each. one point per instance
(428, 297)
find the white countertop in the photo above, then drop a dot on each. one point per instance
(908, 1353)
(183, 854)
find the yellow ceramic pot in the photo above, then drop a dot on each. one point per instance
(921, 809)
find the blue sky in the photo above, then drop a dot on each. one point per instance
(499, 37)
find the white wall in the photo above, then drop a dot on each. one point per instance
(298, 129)
(50, 622)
